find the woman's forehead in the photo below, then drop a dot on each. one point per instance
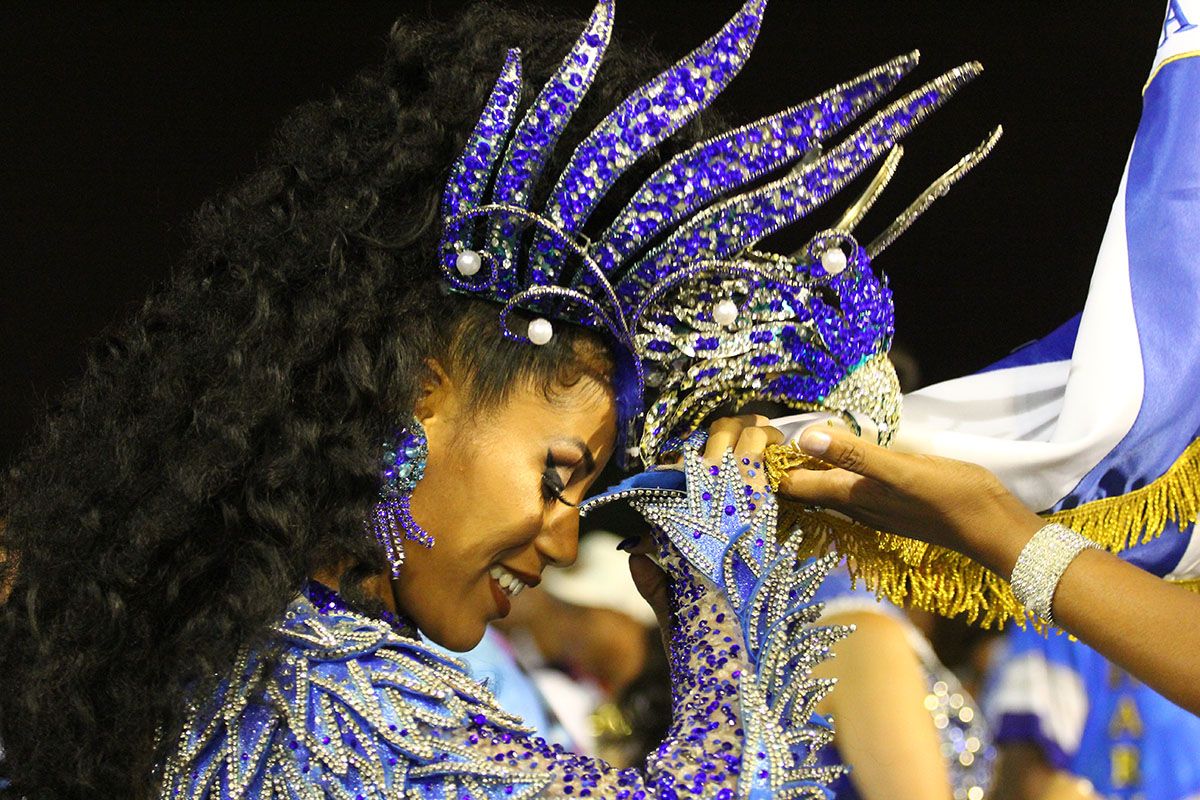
(585, 410)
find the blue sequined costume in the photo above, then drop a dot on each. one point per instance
(345, 706)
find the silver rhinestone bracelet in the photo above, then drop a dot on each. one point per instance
(1041, 565)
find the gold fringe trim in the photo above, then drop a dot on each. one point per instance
(1118, 523)
(906, 571)
(1191, 584)
(945, 582)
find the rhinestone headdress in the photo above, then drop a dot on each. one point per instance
(695, 314)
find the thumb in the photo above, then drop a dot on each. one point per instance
(654, 585)
(846, 451)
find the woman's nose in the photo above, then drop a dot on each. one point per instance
(558, 541)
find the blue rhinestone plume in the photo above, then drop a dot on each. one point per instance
(694, 313)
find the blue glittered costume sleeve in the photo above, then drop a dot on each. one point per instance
(348, 708)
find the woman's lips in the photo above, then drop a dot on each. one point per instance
(503, 604)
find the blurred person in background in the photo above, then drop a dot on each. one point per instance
(494, 663)
(1071, 724)
(903, 722)
(565, 655)
(584, 639)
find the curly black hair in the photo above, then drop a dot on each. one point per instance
(221, 444)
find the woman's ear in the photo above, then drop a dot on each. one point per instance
(439, 395)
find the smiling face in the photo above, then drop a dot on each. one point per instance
(489, 498)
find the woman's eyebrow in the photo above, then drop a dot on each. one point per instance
(589, 460)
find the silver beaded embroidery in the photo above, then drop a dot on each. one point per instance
(340, 705)
(962, 732)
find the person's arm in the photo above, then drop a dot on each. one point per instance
(1023, 773)
(881, 727)
(1133, 618)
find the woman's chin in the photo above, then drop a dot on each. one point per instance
(459, 637)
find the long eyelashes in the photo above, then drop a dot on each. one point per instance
(552, 489)
(552, 484)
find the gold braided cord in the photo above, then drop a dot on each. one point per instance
(945, 582)
(779, 459)
(1168, 60)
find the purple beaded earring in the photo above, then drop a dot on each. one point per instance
(403, 466)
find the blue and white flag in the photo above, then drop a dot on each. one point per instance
(1100, 421)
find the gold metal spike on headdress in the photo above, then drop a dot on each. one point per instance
(859, 208)
(936, 189)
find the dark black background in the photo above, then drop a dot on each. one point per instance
(118, 120)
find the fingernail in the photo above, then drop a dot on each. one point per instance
(628, 543)
(815, 442)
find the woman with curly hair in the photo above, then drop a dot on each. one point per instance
(197, 607)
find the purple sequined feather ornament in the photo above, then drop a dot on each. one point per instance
(403, 466)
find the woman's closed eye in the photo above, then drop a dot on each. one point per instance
(554, 481)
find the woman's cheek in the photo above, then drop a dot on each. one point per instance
(515, 493)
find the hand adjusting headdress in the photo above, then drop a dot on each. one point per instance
(692, 310)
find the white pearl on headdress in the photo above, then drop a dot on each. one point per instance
(468, 263)
(834, 261)
(725, 312)
(540, 331)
